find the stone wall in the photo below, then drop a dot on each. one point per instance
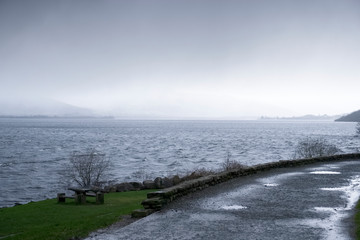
(157, 183)
(156, 200)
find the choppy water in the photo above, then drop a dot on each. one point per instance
(33, 152)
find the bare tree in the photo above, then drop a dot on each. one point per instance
(318, 147)
(88, 169)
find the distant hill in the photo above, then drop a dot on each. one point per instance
(42, 107)
(352, 117)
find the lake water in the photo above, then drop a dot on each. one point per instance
(33, 152)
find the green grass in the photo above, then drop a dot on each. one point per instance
(357, 220)
(51, 220)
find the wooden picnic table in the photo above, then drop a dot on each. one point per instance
(81, 194)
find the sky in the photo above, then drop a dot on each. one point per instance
(183, 58)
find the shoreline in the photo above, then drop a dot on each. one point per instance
(162, 183)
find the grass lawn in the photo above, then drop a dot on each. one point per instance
(49, 220)
(357, 220)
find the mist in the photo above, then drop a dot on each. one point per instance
(180, 59)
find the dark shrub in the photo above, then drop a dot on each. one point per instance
(314, 147)
(229, 164)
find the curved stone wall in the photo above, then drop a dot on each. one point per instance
(156, 200)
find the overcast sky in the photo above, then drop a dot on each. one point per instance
(184, 58)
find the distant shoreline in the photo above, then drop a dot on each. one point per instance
(68, 117)
(304, 118)
(260, 119)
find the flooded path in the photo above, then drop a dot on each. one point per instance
(312, 202)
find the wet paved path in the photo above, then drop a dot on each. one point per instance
(311, 202)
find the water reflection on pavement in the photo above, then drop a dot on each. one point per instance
(312, 202)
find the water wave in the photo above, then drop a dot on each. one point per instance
(33, 152)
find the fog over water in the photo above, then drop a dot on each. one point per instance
(180, 59)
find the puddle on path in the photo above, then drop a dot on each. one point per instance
(331, 224)
(351, 192)
(233, 207)
(325, 209)
(325, 172)
(271, 184)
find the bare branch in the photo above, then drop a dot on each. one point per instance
(88, 169)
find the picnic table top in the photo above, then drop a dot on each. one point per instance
(83, 190)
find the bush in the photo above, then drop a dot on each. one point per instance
(310, 148)
(88, 169)
(229, 164)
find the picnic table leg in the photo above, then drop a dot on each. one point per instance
(80, 198)
(60, 197)
(99, 198)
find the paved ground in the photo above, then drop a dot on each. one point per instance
(313, 202)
